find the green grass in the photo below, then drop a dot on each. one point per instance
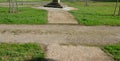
(24, 16)
(114, 50)
(20, 52)
(27, 0)
(98, 13)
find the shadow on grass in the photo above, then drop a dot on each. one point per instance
(40, 59)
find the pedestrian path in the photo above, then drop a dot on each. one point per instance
(68, 34)
(76, 53)
(59, 16)
(63, 41)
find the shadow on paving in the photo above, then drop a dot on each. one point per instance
(40, 59)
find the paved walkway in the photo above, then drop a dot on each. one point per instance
(63, 41)
(76, 53)
(59, 16)
(57, 36)
(61, 34)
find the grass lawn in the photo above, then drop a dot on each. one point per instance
(27, 0)
(24, 16)
(114, 50)
(20, 52)
(98, 13)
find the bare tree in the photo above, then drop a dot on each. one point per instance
(16, 5)
(119, 11)
(22, 2)
(9, 6)
(116, 5)
(13, 6)
(86, 2)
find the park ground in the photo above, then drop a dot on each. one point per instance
(82, 37)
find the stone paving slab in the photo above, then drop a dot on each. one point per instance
(76, 53)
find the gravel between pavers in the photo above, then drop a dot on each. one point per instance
(68, 34)
(76, 53)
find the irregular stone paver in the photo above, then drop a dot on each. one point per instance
(67, 34)
(76, 53)
(59, 16)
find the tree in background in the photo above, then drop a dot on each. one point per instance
(116, 6)
(13, 6)
(119, 11)
(86, 2)
(22, 2)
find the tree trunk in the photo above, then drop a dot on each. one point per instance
(119, 11)
(13, 6)
(22, 2)
(86, 3)
(9, 6)
(116, 7)
(16, 6)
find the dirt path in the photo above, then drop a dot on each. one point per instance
(59, 16)
(57, 36)
(68, 34)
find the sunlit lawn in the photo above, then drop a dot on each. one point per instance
(21, 52)
(98, 13)
(26, 0)
(24, 16)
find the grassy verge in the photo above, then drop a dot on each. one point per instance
(114, 50)
(20, 52)
(26, 0)
(98, 13)
(24, 16)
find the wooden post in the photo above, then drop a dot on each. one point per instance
(16, 6)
